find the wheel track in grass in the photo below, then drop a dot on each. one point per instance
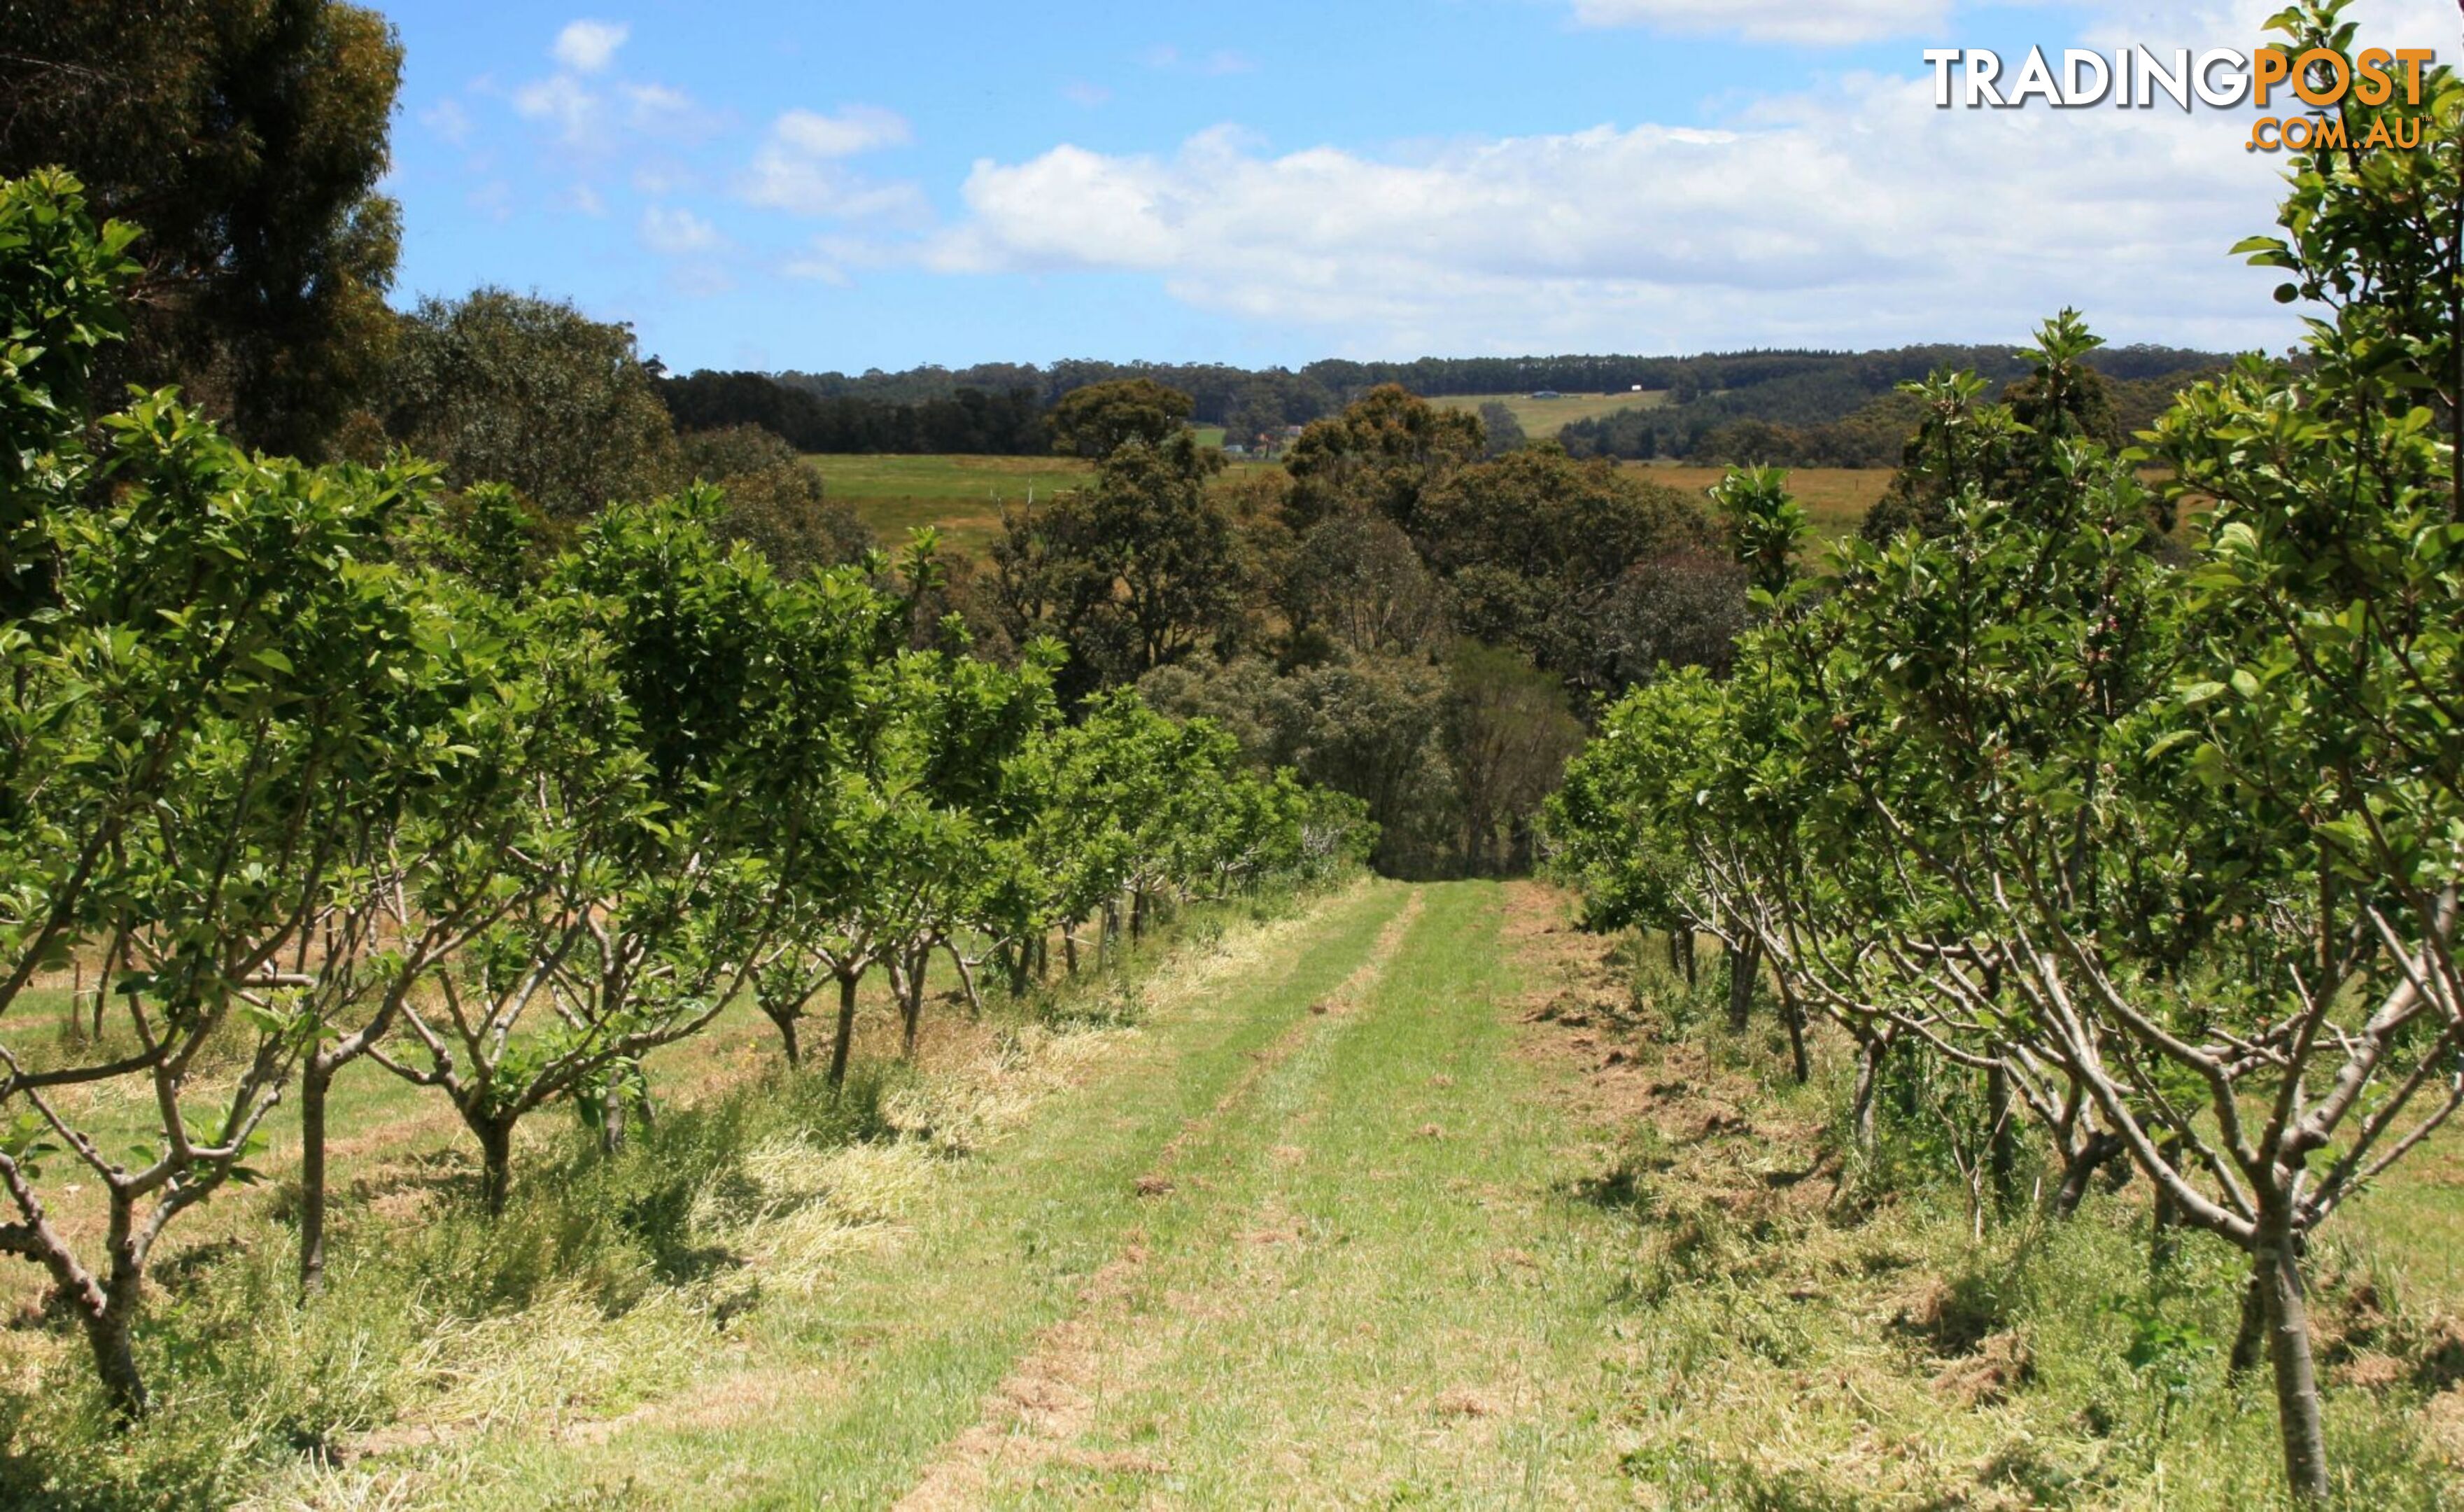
(850, 1393)
(1050, 1398)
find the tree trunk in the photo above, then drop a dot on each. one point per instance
(966, 980)
(2079, 1167)
(788, 1041)
(2001, 1150)
(315, 1079)
(1137, 916)
(2276, 1265)
(1693, 971)
(2250, 1342)
(496, 1165)
(2164, 1221)
(612, 1113)
(1794, 1013)
(910, 1007)
(1745, 964)
(108, 1333)
(1869, 1076)
(844, 1043)
(1069, 948)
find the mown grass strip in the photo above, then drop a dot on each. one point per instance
(851, 1393)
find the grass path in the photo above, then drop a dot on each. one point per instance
(1298, 1240)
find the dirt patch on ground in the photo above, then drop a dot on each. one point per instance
(1656, 1101)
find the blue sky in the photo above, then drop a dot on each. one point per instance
(765, 184)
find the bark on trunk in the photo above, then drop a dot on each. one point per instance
(966, 980)
(2276, 1265)
(910, 1007)
(1793, 1012)
(1685, 947)
(315, 1079)
(844, 1043)
(2081, 1165)
(109, 1334)
(788, 1041)
(496, 1165)
(612, 1113)
(1745, 963)
(2001, 1153)
(2250, 1342)
(1069, 948)
(1869, 1078)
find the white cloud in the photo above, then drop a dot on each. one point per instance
(799, 168)
(1862, 216)
(586, 47)
(449, 120)
(1079, 92)
(854, 129)
(677, 232)
(561, 102)
(1811, 22)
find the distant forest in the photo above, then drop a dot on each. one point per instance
(1797, 408)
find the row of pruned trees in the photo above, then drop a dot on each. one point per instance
(2166, 858)
(311, 766)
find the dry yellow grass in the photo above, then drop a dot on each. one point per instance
(1837, 498)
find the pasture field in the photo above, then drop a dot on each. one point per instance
(1837, 498)
(1541, 419)
(963, 495)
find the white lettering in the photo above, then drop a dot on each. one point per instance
(1983, 67)
(1942, 58)
(2036, 78)
(2077, 94)
(2153, 76)
(2238, 91)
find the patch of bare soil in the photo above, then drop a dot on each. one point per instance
(1623, 1065)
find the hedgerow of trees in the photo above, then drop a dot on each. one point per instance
(308, 766)
(2163, 860)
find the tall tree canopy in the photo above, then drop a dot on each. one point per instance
(246, 139)
(509, 388)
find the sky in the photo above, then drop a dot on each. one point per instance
(780, 183)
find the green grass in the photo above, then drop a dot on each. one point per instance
(1541, 419)
(897, 1355)
(962, 496)
(1303, 1209)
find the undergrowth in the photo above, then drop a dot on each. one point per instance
(603, 1286)
(1811, 1327)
